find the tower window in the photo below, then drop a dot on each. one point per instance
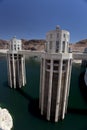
(51, 35)
(57, 46)
(64, 35)
(55, 67)
(18, 47)
(56, 62)
(14, 47)
(46, 47)
(50, 44)
(64, 64)
(63, 46)
(63, 67)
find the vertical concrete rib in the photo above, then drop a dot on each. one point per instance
(65, 90)
(43, 83)
(23, 80)
(24, 70)
(58, 91)
(40, 91)
(70, 69)
(69, 76)
(50, 91)
(9, 71)
(18, 69)
(13, 63)
(60, 45)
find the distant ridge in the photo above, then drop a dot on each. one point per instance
(34, 44)
(82, 42)
(39, 44)
(79, 46)
(3, 44)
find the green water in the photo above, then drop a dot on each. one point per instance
(21, 103)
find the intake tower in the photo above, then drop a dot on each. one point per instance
(55, 75)
(16, 64)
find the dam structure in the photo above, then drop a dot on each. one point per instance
(55, 75)
(16, 64)
(55, 71)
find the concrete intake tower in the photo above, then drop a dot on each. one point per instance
(56, 64)
(16, 64)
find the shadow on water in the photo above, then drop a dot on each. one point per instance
(82, 86)
(5, 84)
(33, 106)
(24, 94)
(83, 90)
(77, 111)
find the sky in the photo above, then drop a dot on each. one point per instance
(31, 19)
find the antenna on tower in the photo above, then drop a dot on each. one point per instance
(57, 27)
(14, 37)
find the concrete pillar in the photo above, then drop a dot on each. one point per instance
(65, 90)
(50, 91)
(24, 69)
(60, 45)
(40, 91)
(23, 75)
(43, 83)
(66, 47)
(13, 64)
(58, 91)
(70, 67)
(9, 71)
(18, 68)
(69, 76)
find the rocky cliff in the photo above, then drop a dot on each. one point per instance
(79, 46)
(3, 44)
(40, 44)
(26, 44)
(33, 44)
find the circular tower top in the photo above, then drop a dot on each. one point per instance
(57, 41)
(15, 44)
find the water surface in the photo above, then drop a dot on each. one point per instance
(22, 104)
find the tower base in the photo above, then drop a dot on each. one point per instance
(16, 70)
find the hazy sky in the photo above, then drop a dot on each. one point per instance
(33, 18)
